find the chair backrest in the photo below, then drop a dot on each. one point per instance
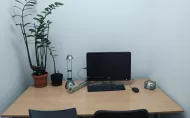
(141, 113)
(67, 113)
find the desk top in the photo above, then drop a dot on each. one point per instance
(56, 98)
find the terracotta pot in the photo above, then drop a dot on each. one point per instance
(40, 81)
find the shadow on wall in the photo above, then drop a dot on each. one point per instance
(19, 48)
(13, 79)
(17, 41)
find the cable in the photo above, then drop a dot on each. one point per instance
(79, 75)
(92, 82)
(131, 83)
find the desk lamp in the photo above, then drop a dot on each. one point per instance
(69, 82)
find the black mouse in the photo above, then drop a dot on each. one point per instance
(136, 90)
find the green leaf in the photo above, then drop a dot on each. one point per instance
(49, 22)
(59, 3)
(56, 3)
(42, 28)
(41, 36)
(19, 2)
(32, 2)
(40, 46)
(40, 16)
(44, 12)
(38, 42)
(31, 30)
(45, 39)
(30, 36)
(26, 24)
(16, 16)
(46, 9)
(48, 43)
(29, 5)
(55, 55)
(27, 15)
(42, 25)
(50, 6)
(27, 9)
(37, 19)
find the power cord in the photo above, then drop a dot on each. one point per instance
(131, 83)
(79, 75)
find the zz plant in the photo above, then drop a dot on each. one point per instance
(38, 32)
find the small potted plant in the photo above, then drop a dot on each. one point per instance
(36, 34)
(56, 77)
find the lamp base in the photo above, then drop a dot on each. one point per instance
(69, 84)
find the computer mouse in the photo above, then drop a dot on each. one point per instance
(136, 90)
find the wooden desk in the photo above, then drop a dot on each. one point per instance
(55, 98)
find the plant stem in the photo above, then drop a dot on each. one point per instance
(46, 46)
(36, 49)
(41, 55)
(25, 37)
(54, 64)
(45, 59)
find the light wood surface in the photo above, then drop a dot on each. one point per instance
(56, 98)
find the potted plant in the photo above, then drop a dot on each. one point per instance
(36, 34)
(56, 77)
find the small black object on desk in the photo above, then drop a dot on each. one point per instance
(136, 90)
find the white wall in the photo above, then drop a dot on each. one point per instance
(13, 79)
(109, 25)
(170, 51)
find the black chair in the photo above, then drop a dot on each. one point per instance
(67, 113)
(141, 113)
